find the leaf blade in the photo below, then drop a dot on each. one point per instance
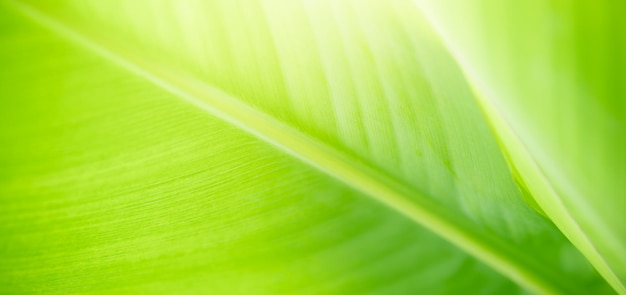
(356, 171)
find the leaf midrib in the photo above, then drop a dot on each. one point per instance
(498, 253)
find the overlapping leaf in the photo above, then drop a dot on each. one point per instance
(553, 74)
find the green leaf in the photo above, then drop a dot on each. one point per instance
(551, 78)
(256, 147)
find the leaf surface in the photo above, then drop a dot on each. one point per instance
(290, 148)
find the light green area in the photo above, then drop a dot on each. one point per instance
(258, 147)
(554, 73)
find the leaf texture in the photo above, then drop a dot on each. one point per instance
(114, 183)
